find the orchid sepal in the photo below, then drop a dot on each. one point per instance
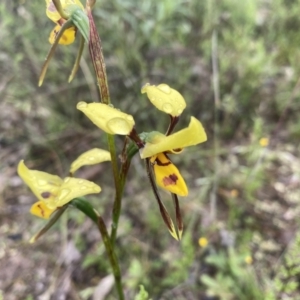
(90, 157)
(165, 98)
(107, 118)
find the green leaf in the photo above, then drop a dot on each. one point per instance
(85, 207)
(131, 150)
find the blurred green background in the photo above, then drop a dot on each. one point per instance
(237, 65)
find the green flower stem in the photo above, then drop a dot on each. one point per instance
(118, 203)
(112, 257)
(100, 70)
(129, 150)
(114, 163)
(99, 66)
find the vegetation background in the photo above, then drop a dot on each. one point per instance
(237, 65)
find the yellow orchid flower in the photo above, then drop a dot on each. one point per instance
(155, 148)
(70, 17)
(67, 6)
(161, 169)
(54, 192)
(165, 98)
(107, 118)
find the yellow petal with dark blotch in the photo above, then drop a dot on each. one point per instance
(165, 98)
(45, 186)
(168, 176)
(41, 210)
(192, 135)
(54, 15)
(90, 157)
(107, 118)
(67, 38)
(72, 188)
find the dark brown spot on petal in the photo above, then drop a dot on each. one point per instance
(46, 195)
(170, 180)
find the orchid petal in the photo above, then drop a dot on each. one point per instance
(168, 176)
(67, 38)
(192, 135)
(91, 157)
(72, 188)
(40, 209)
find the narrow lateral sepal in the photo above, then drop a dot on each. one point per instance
(49, 224)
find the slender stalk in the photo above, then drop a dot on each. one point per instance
(118, 203)
(112, 257)
(215, 67)
(174, 121)
(126, 160)
(100, 70)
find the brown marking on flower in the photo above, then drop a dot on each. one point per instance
(160, 163)
(46, 195)
(55, 31)
(61, 21)
(41, 209)
(170, 180)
